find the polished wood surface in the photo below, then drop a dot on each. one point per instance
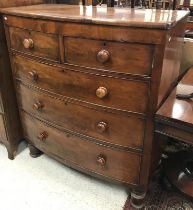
(38, 44)
(79, 52)
(10, 129)
(123, 94)
(95, 123)
(119, 165)
(176, 109)
(10, 133)
(174, 118)
(89, 31)
(104, 87)
(98, 15)
(172, 58)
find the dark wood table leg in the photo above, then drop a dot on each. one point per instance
(110, 3)
(174, 4)
(137, 199)
(132, 3)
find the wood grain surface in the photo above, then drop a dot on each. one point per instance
(148, 18)
(119, 165)
(82, 119)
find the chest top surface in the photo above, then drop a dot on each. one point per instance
(143, 18)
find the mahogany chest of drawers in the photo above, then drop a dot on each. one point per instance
(89, 81)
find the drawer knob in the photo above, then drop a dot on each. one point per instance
(43, 136)
(101, 92)
(28, 43)
(102, 127)
(33, 75)
(103, 56)
(38, 105)
(101, 160)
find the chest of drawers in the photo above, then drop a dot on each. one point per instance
(89, 81)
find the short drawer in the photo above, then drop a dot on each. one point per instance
(127, 131)
(105, 161)
(113, 56)
(35, 43)
(129, 95)
(3, 136)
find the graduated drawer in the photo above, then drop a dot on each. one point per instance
(113, 56)
(36, 43)
(108, 162)
(109, 127)
(3, 136)
(111, 92)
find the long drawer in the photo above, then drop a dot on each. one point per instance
(129, 95)
(116, 164)
(117, 129)
(3, 136)
(114, 56)
(35, 43)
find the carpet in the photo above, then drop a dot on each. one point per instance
(158, 198)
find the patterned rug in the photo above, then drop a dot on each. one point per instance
(159, 198)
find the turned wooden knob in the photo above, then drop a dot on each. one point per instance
(101, 92)
(102, 127)
(28, 43)
(43, 136)
(33, 75)
(38, 105)
(101, 160)
(103, 56)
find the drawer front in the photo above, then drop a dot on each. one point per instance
(106, 91)
(36, 43)
(114, 56)
(102, 125)
(3, 136)
(108, 162)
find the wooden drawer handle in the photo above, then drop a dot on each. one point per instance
(101, 92)
(103, 56)
(43, 136)
(28, 43)
(102, 127)
(33, 75)
(38, 106)
(101, 160)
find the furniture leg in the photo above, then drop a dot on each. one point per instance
(34, 152)
(137, 199)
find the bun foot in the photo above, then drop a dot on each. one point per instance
(34, 152)
(137, 199)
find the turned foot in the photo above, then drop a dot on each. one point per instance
(137, 199)
(34, 152)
